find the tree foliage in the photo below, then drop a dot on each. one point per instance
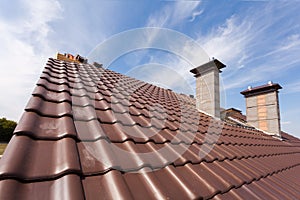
(7, 128)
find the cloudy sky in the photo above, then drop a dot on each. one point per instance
(257, 40)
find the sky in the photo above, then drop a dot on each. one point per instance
(258, 41)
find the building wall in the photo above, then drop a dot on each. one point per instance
(263, 112)
(207, 93)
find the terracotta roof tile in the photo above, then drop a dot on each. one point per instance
(39, 159)
(90, 132)
(46, 189)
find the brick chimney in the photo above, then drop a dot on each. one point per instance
(262, 107)
(208, 87)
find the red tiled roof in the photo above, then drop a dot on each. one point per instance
(90, 133)
(235, 114)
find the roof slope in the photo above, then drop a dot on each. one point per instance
(91, 133)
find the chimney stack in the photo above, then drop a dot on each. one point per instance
(208, 87)
(262, 107)
(71, 58)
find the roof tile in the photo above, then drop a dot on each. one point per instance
(60, 157)
(70, 184)
(40, 127)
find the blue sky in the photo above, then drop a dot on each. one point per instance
(257, 40)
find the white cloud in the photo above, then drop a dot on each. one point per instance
(248, 43)
(228, 42)
(286, 123)
(291, 42)
(24, 50)
(255, 46)
(292, 88)
(195, 15)
(171, 15)
(40, 14)
(174, 13)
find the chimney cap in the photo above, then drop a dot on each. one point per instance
(269, 87)
(204, 67)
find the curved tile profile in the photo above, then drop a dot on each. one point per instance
(269, 187)
(90, 132)
(46, 189)
(100, 186)
(28, 159)
(47, 108)
(40, 127)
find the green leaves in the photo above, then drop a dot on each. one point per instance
(7, 128)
